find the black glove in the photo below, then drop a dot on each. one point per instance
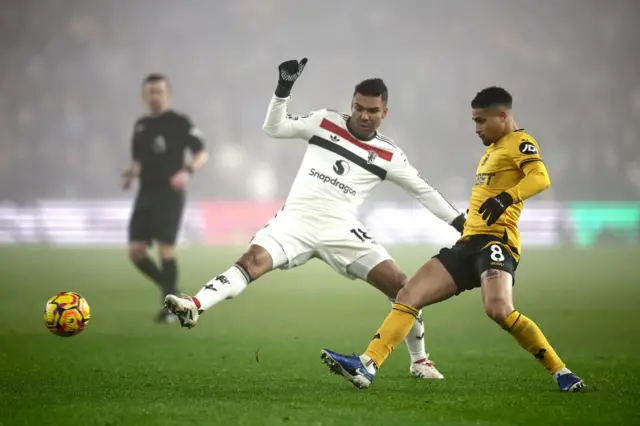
(458, 223)
(492, 209)
(288, 73)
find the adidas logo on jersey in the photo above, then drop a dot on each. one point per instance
(332, 181)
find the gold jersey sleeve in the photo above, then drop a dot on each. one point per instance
(499, 170)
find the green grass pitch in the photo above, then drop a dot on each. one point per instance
(255, 360)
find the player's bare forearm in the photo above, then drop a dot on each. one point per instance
(133, 171)
(130, 174)
(199, 159)
(180, 179)
(535, 181)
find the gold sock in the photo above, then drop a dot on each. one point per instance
(394, 330)
(530, 337)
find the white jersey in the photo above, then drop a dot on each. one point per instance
(339, 171)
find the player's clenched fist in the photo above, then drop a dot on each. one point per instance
(288, 73)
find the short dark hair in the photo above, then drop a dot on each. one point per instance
(154, 78)
(491, 97)
(374, 87)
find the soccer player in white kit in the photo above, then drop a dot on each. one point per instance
(346, 158)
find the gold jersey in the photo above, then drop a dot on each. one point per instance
(500, 169)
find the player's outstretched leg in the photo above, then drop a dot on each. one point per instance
(389, 279)
(422, 366)
(251, 265)
(498, 304)
(431, 284)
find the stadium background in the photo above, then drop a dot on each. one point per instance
(70, 75)
(70, 81)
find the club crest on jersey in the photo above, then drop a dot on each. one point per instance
(372, 157)
(527, 147)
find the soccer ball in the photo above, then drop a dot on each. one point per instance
(67, 314)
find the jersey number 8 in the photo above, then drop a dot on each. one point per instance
(496, 253)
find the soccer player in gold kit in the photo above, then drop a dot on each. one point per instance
(486, 256)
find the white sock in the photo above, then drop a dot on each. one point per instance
(368, 363)
(224, 286)
(560, 372)
(415, 340)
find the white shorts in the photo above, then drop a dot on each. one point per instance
(292, 240)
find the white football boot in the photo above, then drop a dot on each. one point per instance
(184, 308)
(425, 369)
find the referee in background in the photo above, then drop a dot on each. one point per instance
(158, 144)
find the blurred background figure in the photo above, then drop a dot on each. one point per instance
(159, 142)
